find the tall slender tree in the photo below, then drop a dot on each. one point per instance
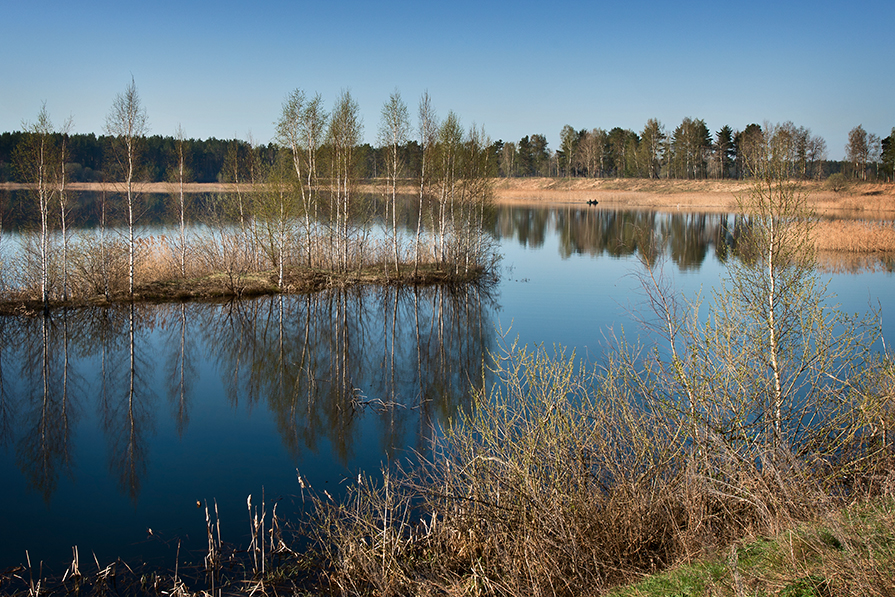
(857, 151)
(181, 175)
(651, 148)
(289, 134)
(507, 159)
(344, 134)
(35, 158)
(724, 151)
(887, 154)
(568, 139)
(450, 139)
(127, 124)
(427, 129)
(393, 132)
(691, 144)
(64, 206)
(313, 129)
(748, 146)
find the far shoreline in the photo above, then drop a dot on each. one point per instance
(873, 200)
(856, 220)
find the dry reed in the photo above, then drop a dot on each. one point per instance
(563, 481)
(853, 236)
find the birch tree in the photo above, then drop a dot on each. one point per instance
(300, 129)
(35, 159)
(769, 370)
(568, 138)
(64, 206)
(651, 147)
(450, 137)
(857, 151)
(427, 128)
(289, 135)
(127, 124)
(508, 159)
(344, 133)
(313, 130)
(393, 131)
(276, 209)
(179, 142)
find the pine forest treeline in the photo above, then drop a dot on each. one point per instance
(688, 151)
(692, 151)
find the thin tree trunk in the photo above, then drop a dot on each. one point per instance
(130, 216)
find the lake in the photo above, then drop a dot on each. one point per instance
(118, 425)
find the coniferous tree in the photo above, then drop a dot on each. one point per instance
(724, 151)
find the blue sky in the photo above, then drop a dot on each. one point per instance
(223, 68)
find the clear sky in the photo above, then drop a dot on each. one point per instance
(222, 69)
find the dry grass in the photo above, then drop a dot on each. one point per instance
(220, 266)
(562, 482)
(865, 200)
(142, 187)
(863, 217)
(851, 236)
(848, 551)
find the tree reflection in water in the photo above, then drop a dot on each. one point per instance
(321, 364)
(48, 400)
(584, 230)
(319, 361)
(687, 237)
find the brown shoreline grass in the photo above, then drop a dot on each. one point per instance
(859, 199)
(219, 286)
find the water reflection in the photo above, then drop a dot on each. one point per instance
(323, 365)
(121, 418)
(127, 398)
(687, 238)
(49, 396)
(319, 362)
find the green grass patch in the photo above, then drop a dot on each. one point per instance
(849, 552)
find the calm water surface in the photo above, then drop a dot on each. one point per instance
(115, 423)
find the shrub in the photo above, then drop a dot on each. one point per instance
(837, 182)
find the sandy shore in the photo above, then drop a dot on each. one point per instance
(866, 201)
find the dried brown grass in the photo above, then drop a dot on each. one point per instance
(563, 483)
(855, 236)
(865, 200)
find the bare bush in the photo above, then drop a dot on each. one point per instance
(98, 268)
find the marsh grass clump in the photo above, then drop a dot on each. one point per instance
(562, 480)
(570, 481)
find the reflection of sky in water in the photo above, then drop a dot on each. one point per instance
(227, 450)
(579, 299)
(547, 294)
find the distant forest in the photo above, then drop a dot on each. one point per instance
(690, 151)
